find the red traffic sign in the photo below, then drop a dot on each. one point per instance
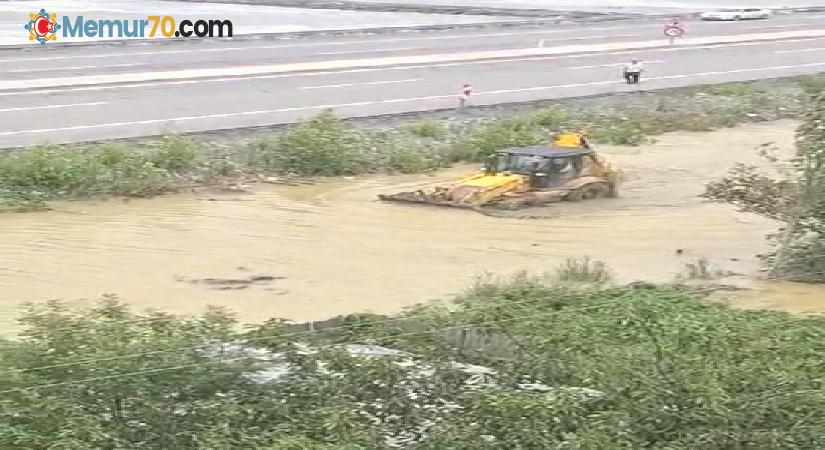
(673, 31)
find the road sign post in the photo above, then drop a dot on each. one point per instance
(672, 32)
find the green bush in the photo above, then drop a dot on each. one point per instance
(176, 154)
(321, 145)
(498, 135)
(111, 155)
(127, 172)
(56, 171)
(411, 161)
(624, 134)
(51, 169)
(554, 117)
(426, 129)
(521, 364)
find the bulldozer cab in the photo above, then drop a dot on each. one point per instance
(546, 166)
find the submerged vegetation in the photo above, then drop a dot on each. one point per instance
(530, 363)
(327, 146)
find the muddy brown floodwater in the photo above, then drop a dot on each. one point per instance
(308, 252)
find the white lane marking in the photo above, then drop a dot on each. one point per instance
(370, 83)
(78, 67)
(812, 49)
(216, 116)
(585, 38)
(381, 69)
(395, 100)
(596, 66)
(755, 69)
(348, 52)
(238, 71)
(769, 27)
(579, 38)
(31, 108)
(316, 44)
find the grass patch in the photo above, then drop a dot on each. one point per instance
(426, 129)
(552, 117)
(732, 90)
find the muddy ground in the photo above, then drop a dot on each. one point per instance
(313, 251)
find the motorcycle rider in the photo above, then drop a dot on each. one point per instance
(633, 71)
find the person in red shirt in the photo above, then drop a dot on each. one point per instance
(466, 91)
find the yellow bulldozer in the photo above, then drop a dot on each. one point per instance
(569, 169)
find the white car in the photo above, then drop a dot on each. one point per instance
(737, 14)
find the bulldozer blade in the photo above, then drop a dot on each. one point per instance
(408, 197)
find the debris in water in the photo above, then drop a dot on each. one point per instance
(234, 281)
(232, 288)
(231, 284)
(277, 291)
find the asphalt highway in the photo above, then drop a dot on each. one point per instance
(65, 93)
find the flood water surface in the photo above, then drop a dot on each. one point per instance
(309, 252)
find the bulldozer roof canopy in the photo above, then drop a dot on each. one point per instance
(547, 151)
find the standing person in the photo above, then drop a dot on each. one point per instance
(584, 139)
(633, 71)
(466, 91)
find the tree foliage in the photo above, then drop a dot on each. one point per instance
(523, 365)
(798, 200)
